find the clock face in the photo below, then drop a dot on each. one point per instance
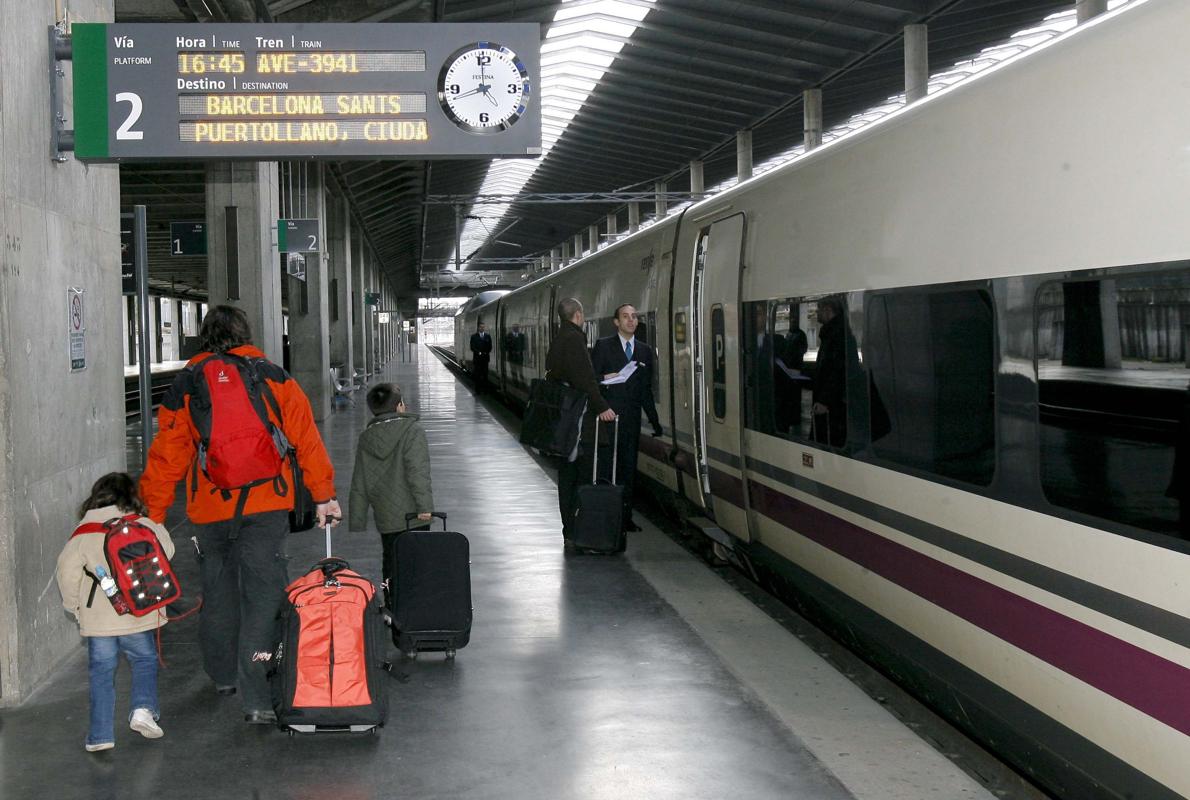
(483, 88)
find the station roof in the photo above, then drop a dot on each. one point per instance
(633, 91)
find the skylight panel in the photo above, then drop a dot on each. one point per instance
(581, 43)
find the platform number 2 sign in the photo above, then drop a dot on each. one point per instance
(125, 130)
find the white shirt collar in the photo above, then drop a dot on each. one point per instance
(624, 342)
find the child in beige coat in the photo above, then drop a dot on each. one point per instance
(108, 633)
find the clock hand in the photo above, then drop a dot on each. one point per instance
(491, 99)
(481, 88)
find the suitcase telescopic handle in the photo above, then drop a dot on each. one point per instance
(413, 515)
(615, 452)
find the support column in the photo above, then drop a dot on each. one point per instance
(697, 184)
(59, 430)
(565, 253)
(812, 118)
(611, 228)
(243, 270)
(660, 206)
(633, 217)
(339, 245)
(578, 246)
(359, 310)
(309, 353)
(373, 325)
(1089, 9)
(593, 235)
(917, 63)
(743, 155)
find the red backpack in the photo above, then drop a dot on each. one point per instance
(239, 446)
(142, 572)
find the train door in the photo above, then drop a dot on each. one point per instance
(717, 430)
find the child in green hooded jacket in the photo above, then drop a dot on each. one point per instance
(392, 475)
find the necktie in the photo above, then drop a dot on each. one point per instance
(628, 351)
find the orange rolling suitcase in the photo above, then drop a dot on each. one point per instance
(329, 670)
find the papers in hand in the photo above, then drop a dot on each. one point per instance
(792, 374)
(622, 376)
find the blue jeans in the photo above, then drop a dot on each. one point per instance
(103, 655)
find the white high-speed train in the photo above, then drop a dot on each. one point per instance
(995, 505)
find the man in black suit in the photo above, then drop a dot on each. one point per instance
(628, 399)
(481, 353)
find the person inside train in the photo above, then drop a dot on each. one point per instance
(628, 398)
(836, 348)
(514, 354)
(788, 378)
(761, 365)
(569, 362)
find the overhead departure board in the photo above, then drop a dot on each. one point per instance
(153, 92)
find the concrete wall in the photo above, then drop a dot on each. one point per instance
(59, 431)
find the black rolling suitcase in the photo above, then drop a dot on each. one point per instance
(598, 520)
(329, 671)
(433, 592)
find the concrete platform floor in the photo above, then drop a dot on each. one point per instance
(641, 676)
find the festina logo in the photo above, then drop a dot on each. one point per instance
(222, 377)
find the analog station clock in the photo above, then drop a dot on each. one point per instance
(483, 88)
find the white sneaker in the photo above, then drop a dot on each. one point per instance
(95, 748)
(144, 724)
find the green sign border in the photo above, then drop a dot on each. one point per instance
(89, 43)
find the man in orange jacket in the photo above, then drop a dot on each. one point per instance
(241, 532)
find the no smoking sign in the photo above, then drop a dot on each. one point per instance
(76, 330)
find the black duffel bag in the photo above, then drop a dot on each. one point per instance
(303, 516)
(553, 418)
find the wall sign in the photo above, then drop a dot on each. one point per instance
(127, 256)
(298, 236)
(187, 238)
(76, 329)
(266, 91)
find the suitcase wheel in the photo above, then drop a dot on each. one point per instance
(450, 654)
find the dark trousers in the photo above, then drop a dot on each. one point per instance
(570, 475)
(243, 583)
(388, 567)
(480, 366)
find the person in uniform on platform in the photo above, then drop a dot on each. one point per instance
(481, 353)
(627, 398)
(568, 362)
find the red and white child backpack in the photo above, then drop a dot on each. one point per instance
(136, 561)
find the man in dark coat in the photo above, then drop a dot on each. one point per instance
(568, 362)
(627, 399)
(481, 353)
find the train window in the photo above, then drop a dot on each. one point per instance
(718, 363)
(517, 351)
(780, 346)
(1114, 398)
(930, 359)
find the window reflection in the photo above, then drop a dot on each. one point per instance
(931, 379)
(1114, 397)
(780, 351)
